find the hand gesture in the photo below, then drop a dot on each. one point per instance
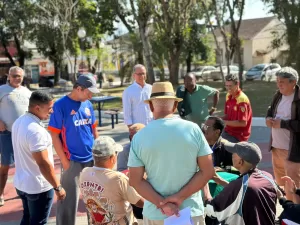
(290, 185)
(175, 199)
(61, 195)
(276, 123)
(170, 209)
(211, 111)
(219, 169)
(269, 122)
(65, 164)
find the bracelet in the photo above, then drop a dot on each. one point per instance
(213, 108)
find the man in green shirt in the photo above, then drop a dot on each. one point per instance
(194, 106)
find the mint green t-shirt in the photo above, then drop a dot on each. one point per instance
(168, 149)
(198, 103)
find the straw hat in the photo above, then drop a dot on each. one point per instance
(162, 90)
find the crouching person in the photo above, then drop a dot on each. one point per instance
(250, 199)
(106, 193)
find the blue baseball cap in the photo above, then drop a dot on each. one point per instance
(88, 82)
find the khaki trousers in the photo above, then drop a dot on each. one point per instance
(282, 167)
(198, 220)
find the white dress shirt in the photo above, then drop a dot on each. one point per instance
(134, 108)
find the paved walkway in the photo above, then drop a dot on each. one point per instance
(11, 212)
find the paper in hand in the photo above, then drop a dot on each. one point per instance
(183, 219)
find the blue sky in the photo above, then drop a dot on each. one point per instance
(255, 9)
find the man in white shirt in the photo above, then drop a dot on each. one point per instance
(14, 100)
(35, 179)
(134, 107)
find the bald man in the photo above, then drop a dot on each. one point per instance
(194, 106)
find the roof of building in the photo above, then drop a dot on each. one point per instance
(250, 27)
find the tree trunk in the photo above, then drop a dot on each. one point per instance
(21, 52)
(56, 72)
(240, 62)
(7, 54)
(188, 62)
(147, 53)
(162, 72)
(174, 68)
(75, 71)
(140, 58)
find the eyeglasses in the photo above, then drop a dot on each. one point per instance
(140, 74)
(204, 127)
(16, 76)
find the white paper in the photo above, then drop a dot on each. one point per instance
(183, 219)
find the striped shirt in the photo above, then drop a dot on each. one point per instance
(134, 108)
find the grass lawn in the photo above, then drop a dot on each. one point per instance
(259, 93)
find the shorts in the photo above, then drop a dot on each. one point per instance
(6, 148)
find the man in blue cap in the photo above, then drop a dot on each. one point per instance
(73, 130)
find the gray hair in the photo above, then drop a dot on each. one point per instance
(14, 69)
(138, 66)
(289, 73)
(163, 104)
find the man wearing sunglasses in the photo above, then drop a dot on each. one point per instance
(14, 101)
(73, 130)
(212, 129)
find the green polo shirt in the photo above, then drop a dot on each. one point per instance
(198, 103)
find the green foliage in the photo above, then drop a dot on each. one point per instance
(289, 13)
(15, 17)
(110, 78)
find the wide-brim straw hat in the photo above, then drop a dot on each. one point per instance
(163, 90)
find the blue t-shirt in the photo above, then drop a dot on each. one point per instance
(74, 121)
(168, 149)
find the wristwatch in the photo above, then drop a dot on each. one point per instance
(58, 188)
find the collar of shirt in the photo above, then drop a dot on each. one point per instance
(136, 84)
(35, 118)
(237, 94)
(101, 168)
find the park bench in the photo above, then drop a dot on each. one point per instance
(114, 115)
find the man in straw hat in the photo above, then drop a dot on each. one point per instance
(175, 155)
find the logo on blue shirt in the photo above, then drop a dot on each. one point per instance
(82, 122)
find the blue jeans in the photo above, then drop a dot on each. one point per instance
(36, 207)
(6, 148)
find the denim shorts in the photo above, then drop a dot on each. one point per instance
(6, 148)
